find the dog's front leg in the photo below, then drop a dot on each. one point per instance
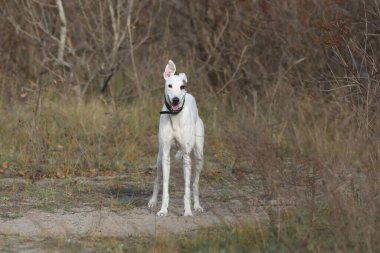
(187, 177)
(165, 184)
(153, 200)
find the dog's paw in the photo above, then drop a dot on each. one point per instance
(198, 209)
(187, 213)
(162, 213)
(152, 203)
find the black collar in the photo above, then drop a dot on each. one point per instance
(170, 111)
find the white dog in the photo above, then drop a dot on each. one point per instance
(181, 126)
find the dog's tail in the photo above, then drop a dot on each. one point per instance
(178, 155)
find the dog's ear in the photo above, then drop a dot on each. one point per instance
(169, 69)
(183, 76)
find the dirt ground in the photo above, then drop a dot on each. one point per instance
(86, 221)
(225, 201)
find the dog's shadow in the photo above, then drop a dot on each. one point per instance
(133, 195)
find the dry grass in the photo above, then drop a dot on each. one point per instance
(317, 155)
(310, 150)
(75, 139)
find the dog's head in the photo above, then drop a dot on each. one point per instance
(175, 87)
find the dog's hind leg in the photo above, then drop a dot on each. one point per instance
(198, 168)
(198, 163)
(156, 187)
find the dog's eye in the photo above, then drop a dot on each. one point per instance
(182, 87)
(170, 86)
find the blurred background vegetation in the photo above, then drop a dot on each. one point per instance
(289, 89)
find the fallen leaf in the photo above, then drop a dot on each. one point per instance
(6, 164)
(60, 174)
(109, 173)
(93, 172)
(132, 170)
(21, 173)
(215, 173)
(121, 167)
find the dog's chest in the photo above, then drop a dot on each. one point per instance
(181, 128)
(177, 129)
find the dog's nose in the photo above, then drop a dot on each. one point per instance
(175, 100)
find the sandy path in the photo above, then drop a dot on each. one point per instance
(88, 221)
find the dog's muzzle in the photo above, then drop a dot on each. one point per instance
(174, 107)
(175, 104)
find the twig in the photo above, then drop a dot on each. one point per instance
(236, 71)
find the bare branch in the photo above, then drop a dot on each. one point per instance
(62, 40)
(138, 86)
